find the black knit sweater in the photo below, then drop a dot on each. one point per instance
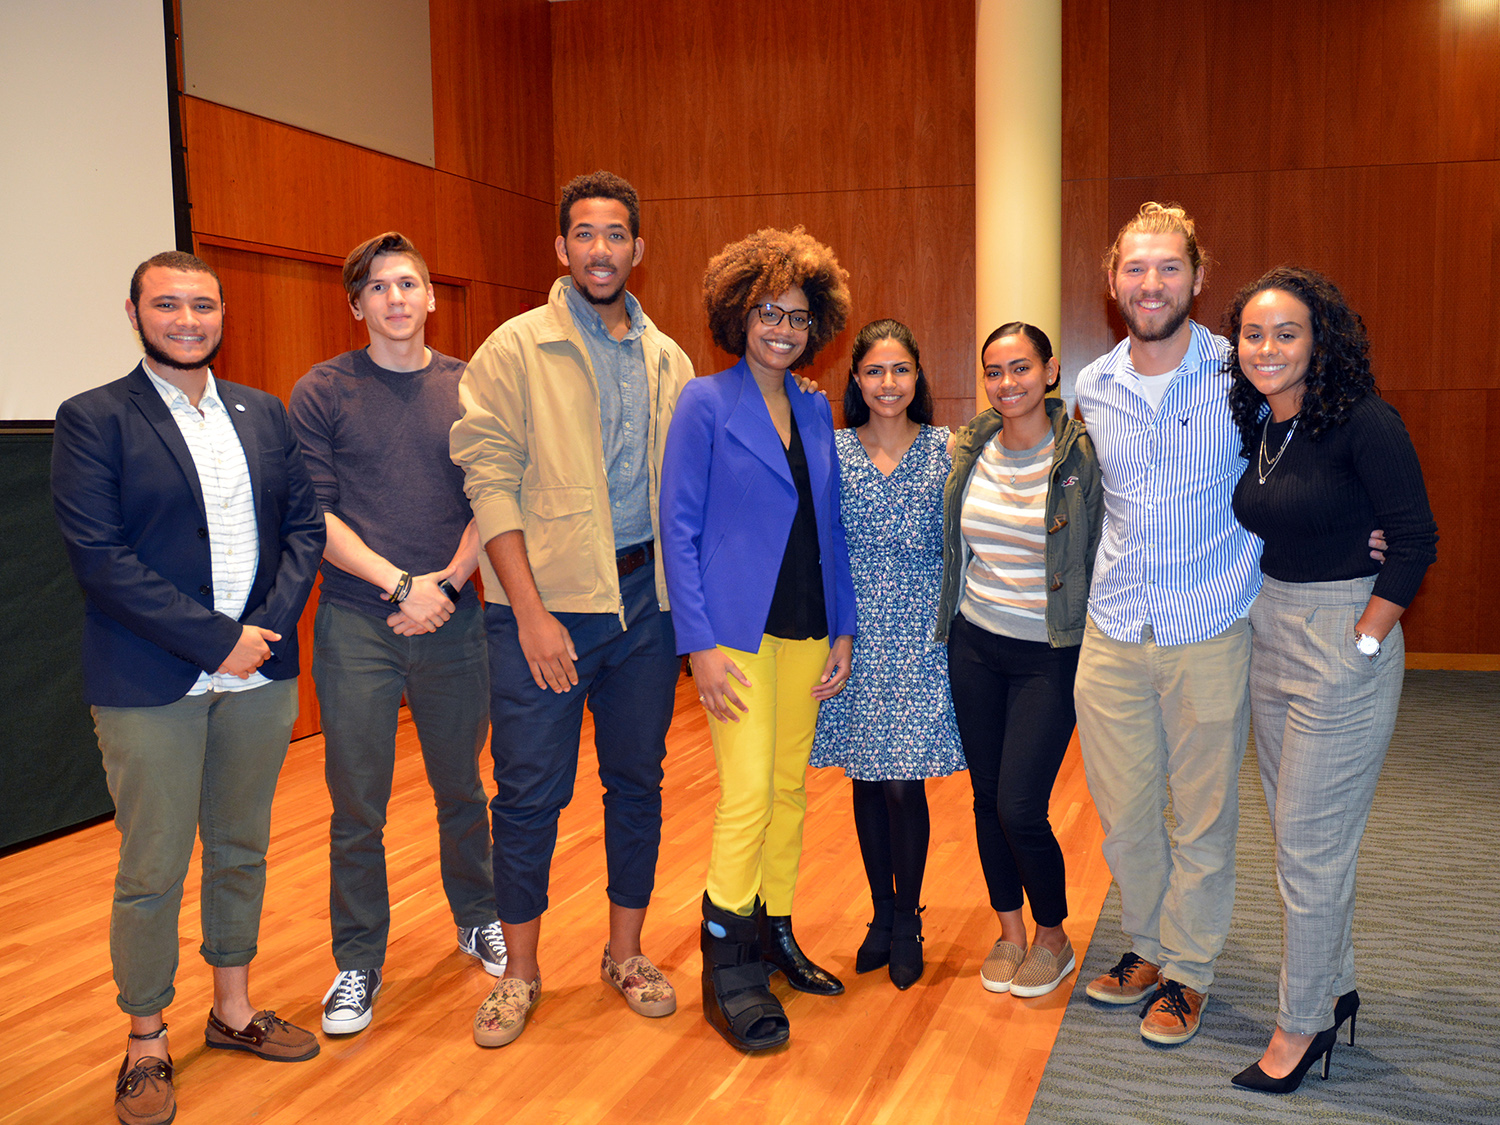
(1317, 507)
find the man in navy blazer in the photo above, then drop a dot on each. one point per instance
(191, 524)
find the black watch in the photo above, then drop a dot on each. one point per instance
(447, 588)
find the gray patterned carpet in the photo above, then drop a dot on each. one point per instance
(1427, 938)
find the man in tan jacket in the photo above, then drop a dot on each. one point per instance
(566, 409)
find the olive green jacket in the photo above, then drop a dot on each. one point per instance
(1075, 513)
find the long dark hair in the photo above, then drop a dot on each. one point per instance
(856, 409)
(1338, 374)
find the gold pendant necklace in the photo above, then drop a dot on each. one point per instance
(1262, 467)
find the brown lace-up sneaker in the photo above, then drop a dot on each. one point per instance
(143, 1092)
(1131, 980)
(1171, 1017)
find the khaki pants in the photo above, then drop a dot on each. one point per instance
(1159, 724)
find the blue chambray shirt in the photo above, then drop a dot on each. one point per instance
(1172, 555)
(624, 415)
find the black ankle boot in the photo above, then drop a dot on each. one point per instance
(906, 948)
(779, 950)
(737, 1003)
(875, 950)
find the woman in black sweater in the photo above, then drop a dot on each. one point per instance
(1329, 459)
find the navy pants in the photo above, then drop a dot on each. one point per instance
(628, 677)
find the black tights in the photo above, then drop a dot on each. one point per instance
(891, 820)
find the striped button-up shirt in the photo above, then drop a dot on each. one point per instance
(1172, 555)
(229, 507)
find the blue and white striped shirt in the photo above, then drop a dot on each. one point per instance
(1172, 555)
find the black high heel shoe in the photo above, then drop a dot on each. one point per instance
(1347, 1008)
(1253, 1078)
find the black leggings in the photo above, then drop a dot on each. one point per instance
(1014, 703)
(891, 820)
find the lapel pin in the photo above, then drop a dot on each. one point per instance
(240, 406)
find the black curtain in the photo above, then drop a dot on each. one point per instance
(51, 775)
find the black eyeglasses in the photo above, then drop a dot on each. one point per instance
(772, 314)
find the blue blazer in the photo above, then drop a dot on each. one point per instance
(130, 508)
(727, 505)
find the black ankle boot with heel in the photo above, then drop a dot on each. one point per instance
(875, 950)
(906, 948)
(779, 949)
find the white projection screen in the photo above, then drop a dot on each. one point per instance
(85, 190)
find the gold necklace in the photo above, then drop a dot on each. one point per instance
(1262, 469)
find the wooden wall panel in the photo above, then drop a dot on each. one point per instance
(694, 100)
(492, 235)
(492, 93)
(855, 120)
(1360, 140)
(260, 181)
(1085, 77)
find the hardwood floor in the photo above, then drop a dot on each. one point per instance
(944, 1051)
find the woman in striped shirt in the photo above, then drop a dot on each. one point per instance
(1021, 517)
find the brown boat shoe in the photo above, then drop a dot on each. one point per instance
(264, 1036)
(143, 1092)
(645, 989)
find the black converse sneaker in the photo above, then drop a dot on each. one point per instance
(486, 943)
(347, 1006)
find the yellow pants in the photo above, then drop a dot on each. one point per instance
(762, 762)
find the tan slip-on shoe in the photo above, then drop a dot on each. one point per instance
(645, 989)
(999, 968)
(502, 1016)
(1042, 971)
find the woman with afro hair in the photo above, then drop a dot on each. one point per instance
(758, 576)
(1329, 459)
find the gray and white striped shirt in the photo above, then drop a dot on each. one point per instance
(229, 507)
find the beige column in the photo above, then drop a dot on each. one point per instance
(1018, 167)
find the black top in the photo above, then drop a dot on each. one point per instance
(1322, 499)
(798, 612)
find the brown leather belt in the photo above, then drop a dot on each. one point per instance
(632, 559)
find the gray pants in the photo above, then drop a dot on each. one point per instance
(1323, 720)
(362, 668)
(206, 764)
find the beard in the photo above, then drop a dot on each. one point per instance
(1175, 316)
(607, 299)
(156, 355)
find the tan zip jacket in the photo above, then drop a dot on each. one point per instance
(533, 459)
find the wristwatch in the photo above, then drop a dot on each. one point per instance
(1367, 645)
(448, 591)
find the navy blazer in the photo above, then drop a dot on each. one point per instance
(130, 508)
(727, 506)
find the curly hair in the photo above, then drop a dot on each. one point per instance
(599, 185)
(1161, 218)
(764, 265)
(1338, 374)
(856, 409)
